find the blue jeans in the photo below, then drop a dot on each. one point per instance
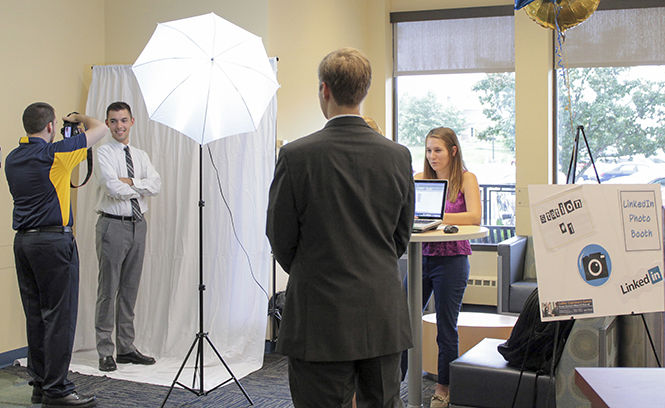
(446, 277)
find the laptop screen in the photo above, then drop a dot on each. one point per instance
(430, 198)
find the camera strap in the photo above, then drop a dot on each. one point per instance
(87, 176)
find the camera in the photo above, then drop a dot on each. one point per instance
(70, 129)
(595, 266)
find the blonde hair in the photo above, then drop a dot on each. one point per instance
(372, 123)
(457, 167)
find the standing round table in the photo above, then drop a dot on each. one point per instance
(415, 298)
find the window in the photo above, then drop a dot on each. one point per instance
(455, 68)
(615, 89)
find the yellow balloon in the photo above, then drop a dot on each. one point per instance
(573, 12)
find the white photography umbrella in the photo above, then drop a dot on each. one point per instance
(208, 79)
(205, 77)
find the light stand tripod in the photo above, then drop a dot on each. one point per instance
(201, 335)
(273, 311)
(572, 166)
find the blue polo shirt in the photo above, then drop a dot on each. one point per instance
(39, 174)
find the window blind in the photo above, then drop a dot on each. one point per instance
(455, 45)
(618, 37)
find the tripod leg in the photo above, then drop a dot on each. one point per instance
(570, 178)
(199, 355)
(653, 348)
(199, 350)
(588, 149)
(273, 306)
(229, 370)
(175, 380)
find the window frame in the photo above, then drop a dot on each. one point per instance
(440, 14)
(603, 5)
(429, 15)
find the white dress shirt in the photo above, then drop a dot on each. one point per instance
(110, 165)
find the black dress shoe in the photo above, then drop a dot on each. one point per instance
(135, 357)
(107, 364)
(70, 400)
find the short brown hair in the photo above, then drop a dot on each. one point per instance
(36, 116)
(118, 106)
(348, 74)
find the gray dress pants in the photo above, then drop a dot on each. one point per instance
(120, 249)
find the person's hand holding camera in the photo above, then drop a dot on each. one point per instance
(74, 117)
(70, 126)
(94, 129)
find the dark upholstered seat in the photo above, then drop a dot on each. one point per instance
(482, 378)
(515, 273)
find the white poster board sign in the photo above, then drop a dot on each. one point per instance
(598, 249)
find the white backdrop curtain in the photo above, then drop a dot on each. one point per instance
(235, 306)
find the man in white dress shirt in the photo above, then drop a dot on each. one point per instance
(127, 178)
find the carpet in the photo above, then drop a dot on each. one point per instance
(267, 387)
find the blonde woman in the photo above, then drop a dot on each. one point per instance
(446, 264)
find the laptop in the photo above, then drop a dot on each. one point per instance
(430, 204)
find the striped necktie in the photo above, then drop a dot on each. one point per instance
(136, 209)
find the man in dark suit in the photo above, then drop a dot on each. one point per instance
(339, 217)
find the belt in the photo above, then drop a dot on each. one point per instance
(118, 217)
(60, 229)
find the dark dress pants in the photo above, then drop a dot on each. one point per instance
(375, 381)
(47, 267)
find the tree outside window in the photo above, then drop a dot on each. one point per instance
(480, 108)
(622, 110)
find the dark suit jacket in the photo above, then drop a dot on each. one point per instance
(339, 217)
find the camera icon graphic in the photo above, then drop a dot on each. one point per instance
(594, 264)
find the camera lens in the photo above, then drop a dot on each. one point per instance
(595, 267)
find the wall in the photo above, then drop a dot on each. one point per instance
(483, 265)
(378, 33)
(130, 23)
(301, 33)
(534, 88)
(48, 48)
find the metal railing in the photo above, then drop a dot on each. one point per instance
(498, 201)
